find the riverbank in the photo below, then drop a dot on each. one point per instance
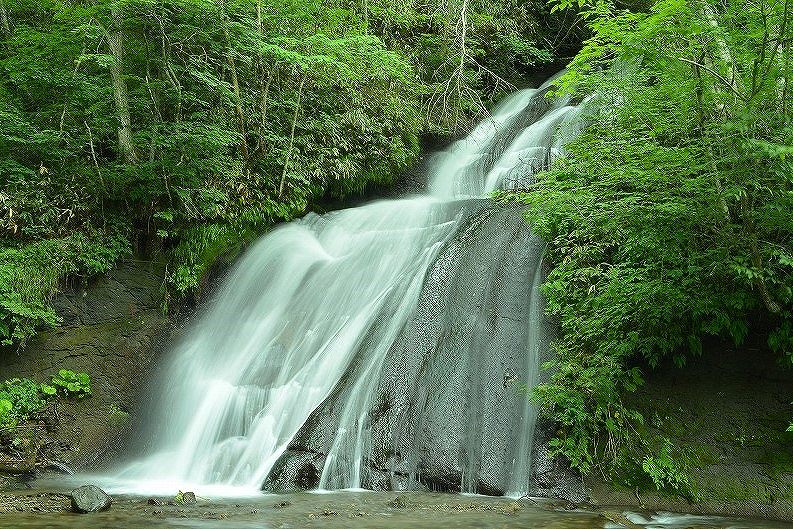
(726, 416)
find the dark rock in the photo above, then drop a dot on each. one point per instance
(154, 501)
(12, 483)
(295, 471)
(447, 413)
(188, 498)
(89, 498)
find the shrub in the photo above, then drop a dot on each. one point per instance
(19, 398)
(71, 384)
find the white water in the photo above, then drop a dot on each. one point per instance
(294, 314)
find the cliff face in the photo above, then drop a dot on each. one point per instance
(112, 329)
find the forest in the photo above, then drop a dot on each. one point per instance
(183, 130)
(192, 125)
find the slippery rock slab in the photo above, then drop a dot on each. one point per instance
(90, 498)
(447, 411)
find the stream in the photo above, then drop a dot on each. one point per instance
(361, 509)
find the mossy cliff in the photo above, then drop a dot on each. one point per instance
(726, 413)
(112, 329)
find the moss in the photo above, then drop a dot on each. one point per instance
(703, 454)
(205, 247)
(785, 493)
(100, 335)
(737, 489)
(778, 462)
(117, 418)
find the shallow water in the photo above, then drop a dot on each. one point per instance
(362, 510)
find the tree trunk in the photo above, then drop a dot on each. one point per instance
(120, 95)
(238, 104)
(168, 70)
(263, 108)
(722, 48)
(291, 137)
(236, 86)
(264, 86)
(5, 25)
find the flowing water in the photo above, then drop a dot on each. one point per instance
(293, 317)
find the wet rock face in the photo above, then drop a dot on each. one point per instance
(448, 413)
(89, 498)
(450, 391)
(112, 329)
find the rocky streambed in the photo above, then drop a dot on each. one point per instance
(48, 505)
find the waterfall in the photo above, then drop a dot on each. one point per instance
(313, 312)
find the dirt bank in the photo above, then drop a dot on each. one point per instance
(113, 329)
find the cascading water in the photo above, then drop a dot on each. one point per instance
(311, 315)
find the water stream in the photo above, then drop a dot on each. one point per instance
(321, 301)
(364, 510)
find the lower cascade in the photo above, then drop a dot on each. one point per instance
(387, 346)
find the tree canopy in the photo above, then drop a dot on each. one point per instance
(668, 218)
(186, 127)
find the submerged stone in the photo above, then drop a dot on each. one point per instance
(398, 503)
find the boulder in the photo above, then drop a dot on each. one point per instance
(188, 498)
(295, 471)
(89, 498)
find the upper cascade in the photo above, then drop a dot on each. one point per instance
(312, 312)
(521, 137)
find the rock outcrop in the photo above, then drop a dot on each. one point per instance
(449, 412)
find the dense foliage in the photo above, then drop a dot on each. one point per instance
(191, 125)
(21, 398)
(669, 218)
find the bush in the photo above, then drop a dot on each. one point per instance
(668, 218)
(19, 398)
(666, 471)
